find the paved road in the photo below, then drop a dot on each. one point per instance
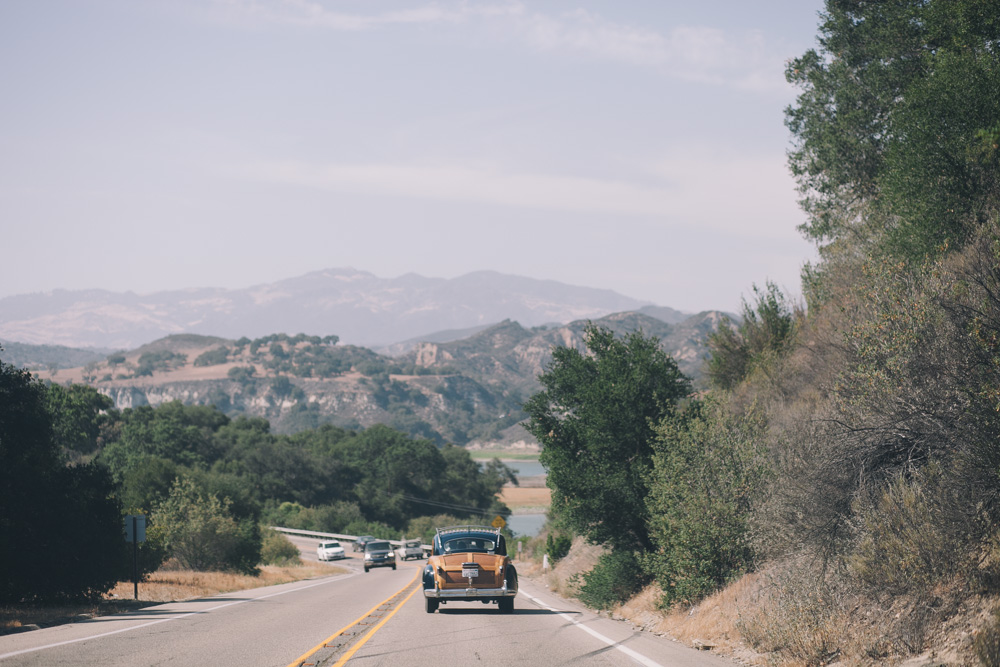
(278, 625)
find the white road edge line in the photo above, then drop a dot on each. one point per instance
(173, 618)
(638, 657)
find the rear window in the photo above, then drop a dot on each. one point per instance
(468, 544)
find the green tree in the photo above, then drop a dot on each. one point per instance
(47, 505)
(595, 420)
(887, 126)
(200, 531)
(709, 473)
(764, 333)
(78, 412)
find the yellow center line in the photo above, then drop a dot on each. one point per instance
(354, 649)
(301, 659)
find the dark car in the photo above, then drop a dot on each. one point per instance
(469, 563)
(379, 553)
(359, 544)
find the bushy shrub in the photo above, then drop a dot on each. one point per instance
(987, 642)
(616, 577)
(213, 357)
(276, 549)
(376, 528)
(201, 533)
(709, 470)
(765, 332)
(333, 518)
(557, 547)
(907, 539)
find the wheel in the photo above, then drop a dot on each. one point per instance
(506, 605)
(394, 566)
(366, 568)
(431, 605)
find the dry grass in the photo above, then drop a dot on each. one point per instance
(713, 622)
(516, 497)
(162, 586)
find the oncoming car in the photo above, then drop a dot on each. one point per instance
(409, 549)
(359, 544)
(330, 551)
(379, 553)
(469, 563)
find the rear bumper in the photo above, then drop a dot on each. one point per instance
(469, 593)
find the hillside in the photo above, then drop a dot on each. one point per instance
(467, 390)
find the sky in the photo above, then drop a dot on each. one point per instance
(637, 145)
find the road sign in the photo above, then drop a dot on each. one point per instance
(135, 532)
(498, 522)
(135, 528)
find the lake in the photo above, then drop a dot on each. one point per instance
(526, 525)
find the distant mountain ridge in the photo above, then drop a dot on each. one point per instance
(357, 306)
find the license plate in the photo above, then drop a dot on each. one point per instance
(470, 572)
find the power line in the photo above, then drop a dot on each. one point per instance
(450, 506)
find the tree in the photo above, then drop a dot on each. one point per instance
(887, 127)
(201, 533)
(78, 412)
(764, 333)
(709, 471)
(45, 505)
(595, 420)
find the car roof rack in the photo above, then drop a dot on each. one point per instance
(468, 529)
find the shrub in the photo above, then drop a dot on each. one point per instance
(616, 577)
(709, 470)
(987, 642)
(241, 374)
(557, 547)
(213, 357)
(202, 534)
(905, 543)
(276, 549)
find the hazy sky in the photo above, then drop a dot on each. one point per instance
(148, 145)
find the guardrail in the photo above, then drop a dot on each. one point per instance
(335, 536)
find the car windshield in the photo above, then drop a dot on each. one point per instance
(331, 545)
(465, 544)
(377, 546)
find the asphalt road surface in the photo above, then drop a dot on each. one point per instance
(355, 619)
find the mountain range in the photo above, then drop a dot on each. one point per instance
(358, 307)
(467, 391)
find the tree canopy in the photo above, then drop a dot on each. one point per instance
(595, 419)
(889, 126)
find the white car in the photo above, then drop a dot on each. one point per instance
(330, 551)
(409, 549)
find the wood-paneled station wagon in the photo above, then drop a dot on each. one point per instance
(469, 563)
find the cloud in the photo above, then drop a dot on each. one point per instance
(315, 14)
(733, 194)
(704, 54)
(695, 53)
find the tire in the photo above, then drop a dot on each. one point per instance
(366, 569)
(430, 605)
(506, 605)
(393, 566)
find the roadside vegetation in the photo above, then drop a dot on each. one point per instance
(72, 467)
(843, 470)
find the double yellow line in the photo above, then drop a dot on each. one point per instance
(298, 662)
